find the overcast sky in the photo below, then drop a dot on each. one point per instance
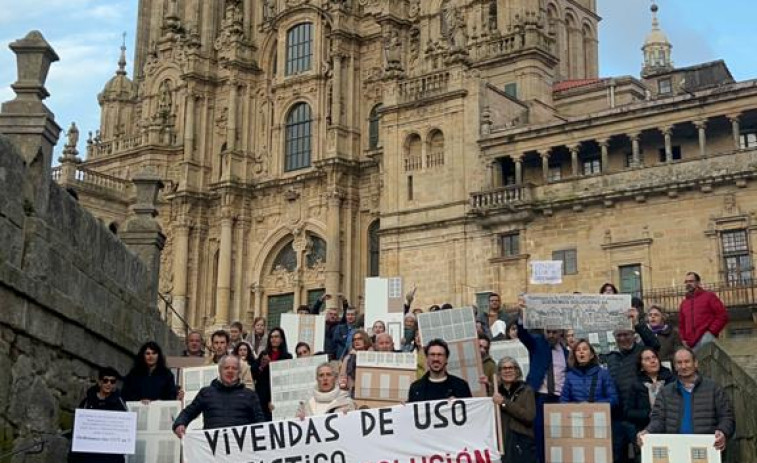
(86, 34)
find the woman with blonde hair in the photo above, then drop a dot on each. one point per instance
(327, 396)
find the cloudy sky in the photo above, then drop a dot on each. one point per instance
(86, 34)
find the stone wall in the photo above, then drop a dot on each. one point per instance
(73, 297)
(733, 365)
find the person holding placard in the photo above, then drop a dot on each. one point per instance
(691, 405)
(275, 350)
(517, 408)
(225, 403)
(327, 397)
(103, 396)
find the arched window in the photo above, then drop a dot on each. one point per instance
(297, 137)
(299, 48)
(373, 127)
(435, 156)
(286, 258)
(373, 249)
(413, 153)
(316, 252)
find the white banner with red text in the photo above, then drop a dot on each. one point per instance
(446, 431)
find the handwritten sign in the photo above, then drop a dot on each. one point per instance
(104, 431)
(546, 272)
(590, 313)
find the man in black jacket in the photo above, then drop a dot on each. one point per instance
(226, 402)
(692, 404)
(437, 384)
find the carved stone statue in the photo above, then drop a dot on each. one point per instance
(165, 98)
(73, 135)
(269, 9)
(393, 51)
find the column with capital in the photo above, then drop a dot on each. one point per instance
(333, 247)
(604, 144)
(701, 126)
(223, 286)
(518, 161)
(231, 130)
(667, 132)
(574, 148)
(179, 266)
(736, 130)
(544, 154)
(635, 150)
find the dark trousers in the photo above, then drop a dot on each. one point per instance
(623, 435)
(542, 399)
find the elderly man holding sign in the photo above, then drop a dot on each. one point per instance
(226, 402)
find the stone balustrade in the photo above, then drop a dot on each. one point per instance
(97, 148)
(424, 86)
(90, 178)
(506, 44)
(501, 197)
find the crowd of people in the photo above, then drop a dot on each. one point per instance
(644, 396)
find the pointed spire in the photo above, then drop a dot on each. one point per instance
(122, 59)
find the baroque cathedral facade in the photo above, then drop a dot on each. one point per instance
(308, 144)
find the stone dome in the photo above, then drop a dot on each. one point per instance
(119, 87)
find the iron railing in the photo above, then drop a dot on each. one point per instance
(167, 301)
(734, 294)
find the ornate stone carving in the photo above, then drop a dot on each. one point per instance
(392, 53)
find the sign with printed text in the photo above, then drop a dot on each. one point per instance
(292, 382)
(546, 272)
(310, 329)
(104, 431)
(457, 430)
(589, 313)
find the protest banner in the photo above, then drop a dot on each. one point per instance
(577, 433)
(292, 382)
(156, 442)
(104, 431)
(590, 313)
(458, 328)
(310, 329)
(438, 431)
(511, 348)
(194, 379)
(546, 272)
(384, 378)
(674, 448)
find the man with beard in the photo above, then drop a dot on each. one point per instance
(701, 316)
(226, 402)
(691, 405)
(437, 384)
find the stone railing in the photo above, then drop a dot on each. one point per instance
(424, 86)
(91, 178)
(500, 197)
(97, 148)
(502, 45)
(732, 363)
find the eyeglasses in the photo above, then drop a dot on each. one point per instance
(109, 380)
(508, 368)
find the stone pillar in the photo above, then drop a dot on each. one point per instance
(604, 144)
(518, 160)
(667, 132)
(490, 174)
(574, 158)
(701, 126)
(336, 95)
(180, 268)
(189, 127)
(231, 130)
(27, 122)
(635, 151)
(258, 292)
(545, 164)
(223, 286)
(736, 130)
(142, 232)
(333, 247)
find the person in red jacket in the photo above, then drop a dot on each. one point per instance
(701, 316)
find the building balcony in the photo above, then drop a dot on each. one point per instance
(738, 294)
(422, 87)
(504, 197)
(81, 178)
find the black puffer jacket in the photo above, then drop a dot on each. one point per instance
(637, 411)
(223, 406)
(159, 385)
(92, 402)
(710, 409)
(622, 364)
